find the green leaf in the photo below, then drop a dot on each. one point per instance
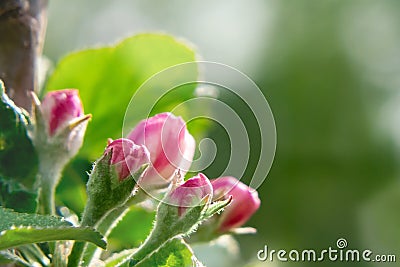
(11, 218)
(26, 235)
(22, 228)
(18, 159)
(173, 253)
(108, 77)
(14, 195)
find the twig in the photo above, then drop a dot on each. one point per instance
(22, 27)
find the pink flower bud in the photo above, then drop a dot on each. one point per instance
(190, 193)
(170, 145)
(127, 157)
(244, 203)
(59, 108)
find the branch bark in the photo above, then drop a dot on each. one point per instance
(22, 28)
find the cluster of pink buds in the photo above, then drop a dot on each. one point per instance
(244, 200)
(171, 148)
(165, 143)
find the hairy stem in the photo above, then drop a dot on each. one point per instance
(82, 253)
(48, 176)
(156, 238)
(109, 222)
(91, 215)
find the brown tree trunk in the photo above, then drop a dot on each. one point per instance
(22, 27)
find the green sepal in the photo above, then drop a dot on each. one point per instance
(105, 190)
(216, 207)
(208, 231)
(168, 218)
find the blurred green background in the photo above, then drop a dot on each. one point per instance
(330, 71)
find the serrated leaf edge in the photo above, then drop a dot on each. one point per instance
(102, 243)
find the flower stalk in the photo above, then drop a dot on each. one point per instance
(184, 207)
(111, 184)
